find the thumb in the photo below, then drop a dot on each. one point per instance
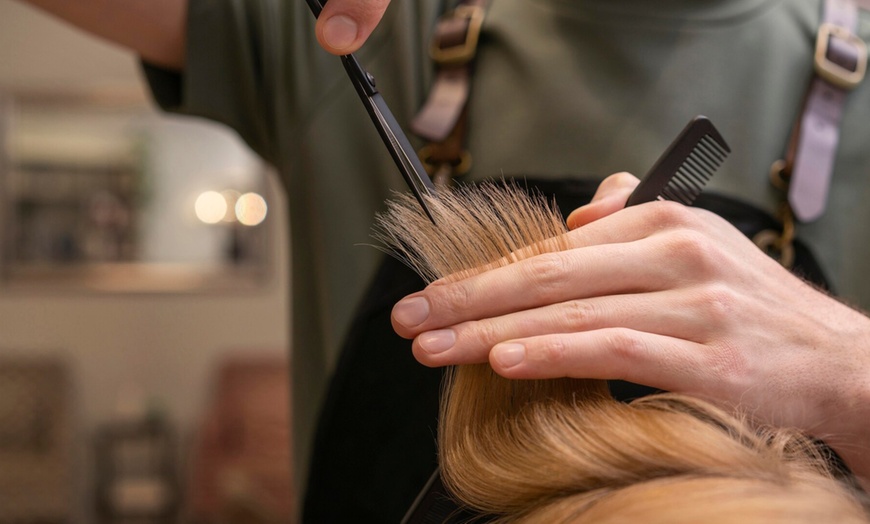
(344, 25)
(611, 196)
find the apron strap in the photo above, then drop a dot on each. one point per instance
(840, 62)
(441, 121)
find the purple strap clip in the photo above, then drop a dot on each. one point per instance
(840, 63)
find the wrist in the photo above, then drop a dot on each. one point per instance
(849, 436)
(845, 417)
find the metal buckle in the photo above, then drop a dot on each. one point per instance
(463, 52)
(832, 71)
(780, 174)
(779, 245)
(458, 166)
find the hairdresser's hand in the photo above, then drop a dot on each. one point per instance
(344, 25)
(668, 296)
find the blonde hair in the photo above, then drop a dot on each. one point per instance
(564, 450)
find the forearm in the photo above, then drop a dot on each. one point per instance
(154, 29)
(848, 429)
(836, 382)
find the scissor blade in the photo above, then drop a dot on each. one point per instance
(388, 127)
(316, 7)
(416, 175)
(391, 133)
(400, 149)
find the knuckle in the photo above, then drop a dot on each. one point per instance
(553, 352)
(625, 344)
(672, 214)
(727, 362)
(480, 331)
(453, 297)
(546, 273)
(579, 313)
(617, 181)
(694, 251)
(719, 302)
(622, 179)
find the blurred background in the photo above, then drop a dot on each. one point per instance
(143, 298)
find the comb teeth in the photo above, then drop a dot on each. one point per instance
(694, 173)
(685, 167)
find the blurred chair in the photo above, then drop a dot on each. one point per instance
(240, 470)
(35, 441)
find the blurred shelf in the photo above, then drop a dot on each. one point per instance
(134, 277)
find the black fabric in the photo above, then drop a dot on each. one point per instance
(167, 87)
(375, 445)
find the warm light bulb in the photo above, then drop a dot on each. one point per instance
(251, 209)
(210, 207)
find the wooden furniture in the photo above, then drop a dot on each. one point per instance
(241, 460)
(35, 441)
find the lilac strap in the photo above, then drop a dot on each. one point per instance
(840, 63)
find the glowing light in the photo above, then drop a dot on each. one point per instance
(251, 209)
(210, 207)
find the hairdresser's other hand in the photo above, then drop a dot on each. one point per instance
(344, 25)
(667, 296)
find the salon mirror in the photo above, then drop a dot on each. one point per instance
(105, 193)
(101, 191)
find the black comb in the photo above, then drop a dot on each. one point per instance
(685, 167)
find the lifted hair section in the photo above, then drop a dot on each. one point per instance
(477, 227)
(563, 450)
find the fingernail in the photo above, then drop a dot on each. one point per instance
(509, 355)
(411, 312)
(571, 221)
(340, 31)
(439, 341)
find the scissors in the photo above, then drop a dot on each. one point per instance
(391, 133)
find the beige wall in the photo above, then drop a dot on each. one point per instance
(165, 344)
(38, 52)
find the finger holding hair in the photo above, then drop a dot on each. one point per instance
(471, 342)
(615, 255)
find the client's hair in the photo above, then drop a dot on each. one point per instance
(564, 450)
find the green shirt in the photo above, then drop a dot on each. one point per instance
(561, 88)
